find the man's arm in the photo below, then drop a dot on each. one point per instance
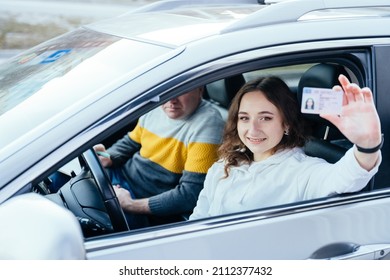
(128, 204)
(123, 149)
(180, 200)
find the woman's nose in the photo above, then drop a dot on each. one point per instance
(255, 125)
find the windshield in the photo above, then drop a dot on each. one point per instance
(56, 75)
(29, 72)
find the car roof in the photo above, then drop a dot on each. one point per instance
(178, 22)
(299, 11)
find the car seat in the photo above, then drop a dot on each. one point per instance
(221, 92)
(326, 142)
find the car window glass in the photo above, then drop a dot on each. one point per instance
(289, 74)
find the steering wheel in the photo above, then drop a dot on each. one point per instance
(91, 198)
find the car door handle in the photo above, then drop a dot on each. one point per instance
(352, 251)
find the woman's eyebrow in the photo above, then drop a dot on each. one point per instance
(259, 113)
(265, 112)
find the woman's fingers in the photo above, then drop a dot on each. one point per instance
(352, 92)
(344, 82)
(339, 88)
(367, 95)
(357, 92)
(348, 89)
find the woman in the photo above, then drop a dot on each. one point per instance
(261, 161)
(309, 104)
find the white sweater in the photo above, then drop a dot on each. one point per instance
(286, 177)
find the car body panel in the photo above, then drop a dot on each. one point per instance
(261, 235)
(39, 214)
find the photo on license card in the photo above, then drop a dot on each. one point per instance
(321, 101)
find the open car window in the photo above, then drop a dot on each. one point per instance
(326, 142)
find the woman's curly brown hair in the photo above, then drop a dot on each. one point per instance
(232, 150)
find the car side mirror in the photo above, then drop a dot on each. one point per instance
(35, 228)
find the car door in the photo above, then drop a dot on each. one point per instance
(353, 226)
(346, 228)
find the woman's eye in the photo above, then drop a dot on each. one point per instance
(265, 118)
(243, 118)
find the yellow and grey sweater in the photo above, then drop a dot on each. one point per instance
(166, 160)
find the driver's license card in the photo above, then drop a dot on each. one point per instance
(321, 101)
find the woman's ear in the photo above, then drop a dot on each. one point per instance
(286, 130)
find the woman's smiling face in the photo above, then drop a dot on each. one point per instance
(260, 125)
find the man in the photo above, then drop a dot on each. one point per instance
(158, 169)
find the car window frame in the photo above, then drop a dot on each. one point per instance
(237, 63)
(357, 58)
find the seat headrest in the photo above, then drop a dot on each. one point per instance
(321, 75)
(223, 91)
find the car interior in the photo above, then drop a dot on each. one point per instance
(326, 141)
(88, 193)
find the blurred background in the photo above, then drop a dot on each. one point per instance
(26, 23)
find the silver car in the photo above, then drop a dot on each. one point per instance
(89, 86)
